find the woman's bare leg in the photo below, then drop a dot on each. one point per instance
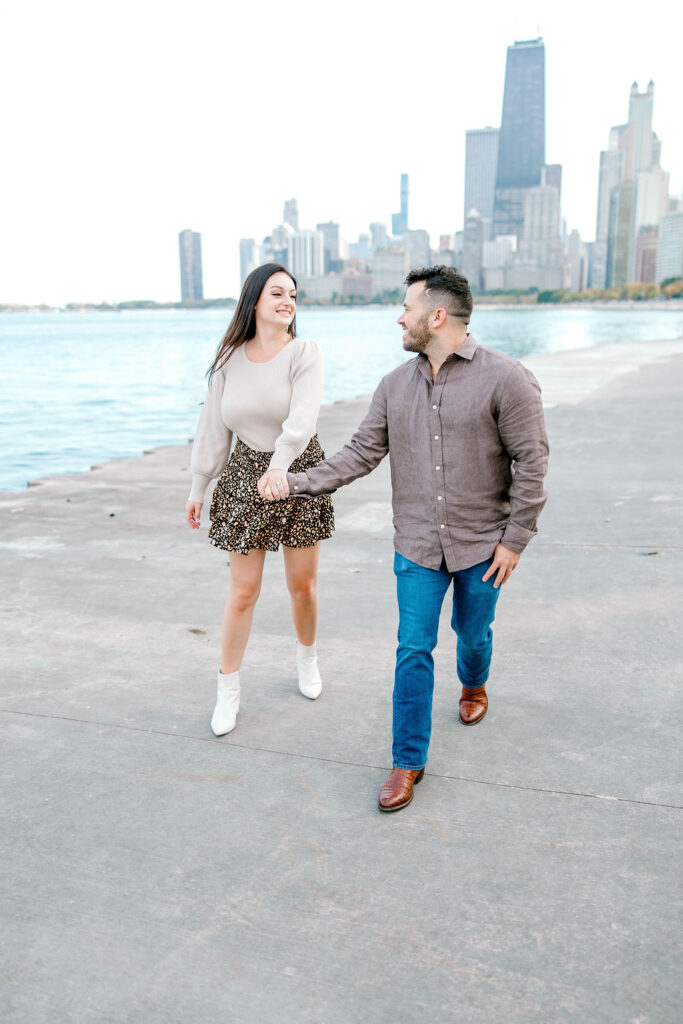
(246, 572)
(301, 573)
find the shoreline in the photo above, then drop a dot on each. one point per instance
(665, 305)
(566, 378)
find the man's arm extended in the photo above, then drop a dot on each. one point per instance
(357, 458)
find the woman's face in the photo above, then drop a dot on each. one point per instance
(277, 301)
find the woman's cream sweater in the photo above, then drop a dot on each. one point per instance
(271, 407)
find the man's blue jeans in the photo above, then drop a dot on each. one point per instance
(420, 597)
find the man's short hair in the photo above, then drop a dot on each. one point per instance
(445, 286)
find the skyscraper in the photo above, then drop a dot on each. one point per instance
(306, 253)
(379, 235)
(419, 251)
(191, 287)
(540, 241)
(640, 105)
(332, 244)
(399, 221)
(473, 247)
(521, 149)
(610, 168)
(633, 193)
(670, 247)
(248, 257)
(481, 162)
(291, 213)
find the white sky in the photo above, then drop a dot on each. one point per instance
(123, 123)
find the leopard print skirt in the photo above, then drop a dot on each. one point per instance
(241, 519)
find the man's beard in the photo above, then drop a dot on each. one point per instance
(418, 337)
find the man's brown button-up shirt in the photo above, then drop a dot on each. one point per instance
(468, 455)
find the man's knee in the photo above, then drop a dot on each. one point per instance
(472, 634)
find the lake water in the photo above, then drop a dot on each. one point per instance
(77, 389)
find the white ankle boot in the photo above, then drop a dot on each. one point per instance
(224, 718)
(310, 682)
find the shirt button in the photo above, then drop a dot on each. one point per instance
(443, 526)
(439, 498)
(436, 437)
(433, 407)
(296, 487)
(437, 467)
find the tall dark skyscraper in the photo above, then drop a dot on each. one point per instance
(399, 221)
(521, 149)
(191, 286)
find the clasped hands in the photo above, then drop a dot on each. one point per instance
(273, 485)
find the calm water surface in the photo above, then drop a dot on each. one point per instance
(80, 388)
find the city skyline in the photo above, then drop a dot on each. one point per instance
(139, 155)
(514, 238)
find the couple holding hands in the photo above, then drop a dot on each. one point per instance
(464, 429)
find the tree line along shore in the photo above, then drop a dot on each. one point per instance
(652, 295)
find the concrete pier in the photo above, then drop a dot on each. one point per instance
(155, 874)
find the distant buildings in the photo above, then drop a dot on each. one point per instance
(577, 262)
(418, 248)
(399, 221)
(481, 164)
(512, 229)
(306, 253)
(191, 286)
(249, 257)
(514, 237)
(473, 248)
(332, 244)
(379, 235)
(328, 269)
(540, 258)
(633, 197)
(521, 149)
(291, 213)
(389, 269)
(669, 262)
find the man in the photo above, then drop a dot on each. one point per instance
(465, 432)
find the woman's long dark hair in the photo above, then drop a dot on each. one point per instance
(242, 327)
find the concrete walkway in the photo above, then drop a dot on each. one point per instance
(155, 874)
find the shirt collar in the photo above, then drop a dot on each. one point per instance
(467, 349)
(464, 351)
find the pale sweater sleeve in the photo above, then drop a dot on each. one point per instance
(307, 390)
(212, 440)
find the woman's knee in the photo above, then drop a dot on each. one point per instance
(243, 596)
(303, 589)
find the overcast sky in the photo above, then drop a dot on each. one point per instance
(123, 123)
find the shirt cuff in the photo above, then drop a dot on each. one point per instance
(516, 537)
(283, 457)
(199, 486)
(298, 485)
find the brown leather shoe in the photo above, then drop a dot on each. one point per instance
(473, 705)
(397, 791)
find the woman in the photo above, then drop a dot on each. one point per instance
(265, 386)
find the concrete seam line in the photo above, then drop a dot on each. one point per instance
(610, 547)
(349, 764)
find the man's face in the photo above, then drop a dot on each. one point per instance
(415, 319)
